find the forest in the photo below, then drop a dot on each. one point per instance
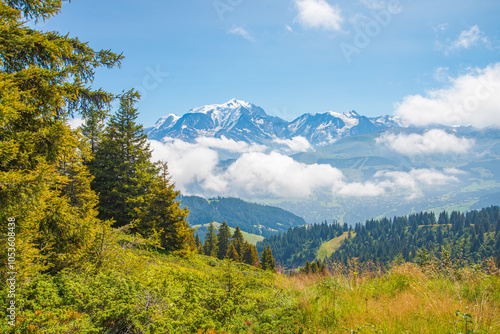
(468, 238)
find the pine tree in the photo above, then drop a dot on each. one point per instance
(161, 216)
(267, 260)
(250, 254)
(238, 240)
(223, 236)
(45, 79)
(307, 268)
(199, 245)
(93, 128)
(210, 246)
(122, 165)
(232, 254)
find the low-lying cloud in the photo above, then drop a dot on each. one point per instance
(471, 99)
(431, 142)
(195, 168)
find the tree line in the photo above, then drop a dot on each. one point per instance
(223, 245)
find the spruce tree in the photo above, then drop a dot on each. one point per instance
(267, 260)
(45, 79)
(250, 255)
(162, 217)
(122, 165)
(232, 254)
(199, 245)
(307, 268)
(223, 236)
(210, 245)
(238, 240)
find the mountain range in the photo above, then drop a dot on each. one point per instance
(243, 121)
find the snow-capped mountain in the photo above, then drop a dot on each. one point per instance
(243, 121)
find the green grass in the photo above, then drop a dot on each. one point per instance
(327, 248)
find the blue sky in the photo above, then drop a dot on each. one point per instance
(284, 55)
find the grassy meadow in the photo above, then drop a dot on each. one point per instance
(138, 290)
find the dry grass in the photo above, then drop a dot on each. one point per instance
(407, 299)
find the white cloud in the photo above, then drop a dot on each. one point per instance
(431, 142)
(318, 14)
(235, 30)
(290, 29)
(471, 99)
(76, 122)
(229, 144)
(189, 164)
(296, 144)
(274, 174)
(441, 74)
(468, 38)
(195, 170)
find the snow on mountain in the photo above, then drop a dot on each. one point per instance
(243, 121)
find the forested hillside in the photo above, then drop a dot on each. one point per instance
(468, 237)
(252, 218)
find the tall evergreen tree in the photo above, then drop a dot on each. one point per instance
(161, 216)
(232, 254)
(267, 260)
(223, 236)
(199, 245)
(45, 78)
(238, 240)
(211, 241)
(250, 254)
(122, 165)
(93, 128)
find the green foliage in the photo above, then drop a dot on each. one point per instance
(211, 248)
(223, 236)
(122, 165)
(44, 184)
(267, 260)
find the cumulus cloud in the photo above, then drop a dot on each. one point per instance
(431, 142)
(471, 99)
(318, 14)
(195, 169)
(278, 175)
(235, 30)
(413, 180)
(229, 144)
(296, 144)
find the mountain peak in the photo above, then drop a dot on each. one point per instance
(230, 105)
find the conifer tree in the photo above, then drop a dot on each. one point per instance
(307, 268)
(314, 267)
(250, 254)
(267, 260)
(223, 236)
(122, 165)
(210, 245)
(199, 245)
(93, 128)
(238, 240)
(232, 254)
(45, 78)
(161, 216)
